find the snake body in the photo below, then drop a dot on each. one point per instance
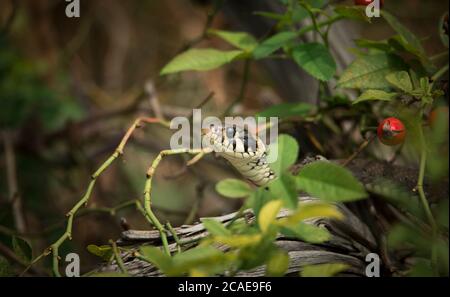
(245, 152)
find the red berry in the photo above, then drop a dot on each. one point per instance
(391, 131)
(367, 2)
(438, 115)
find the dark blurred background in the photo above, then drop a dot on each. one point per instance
(70, 87)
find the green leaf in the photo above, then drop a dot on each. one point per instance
(155, 256)
(241, 40)
(268, 214)
(400, 80)
(5, 268)
(369, 71)
(285, 110)
(284, 188)
(103, 251)
(371, 95)
(323, 270)
(194, 257)
(442, 213)
(233, 188)
(352, 12)
(421, 268)
(22, 249)
(407, 35)
(403, 236)
(315, 59)
(239, 241)
(200, 60)
(310, 210)
(270, 15)
(400, 45)
(396, 195)
(437, 137)
(258, 199)
(442, 254)
(214, 227)
(200, 260)
(307, 232)
(330, 182)
(256, 255)
(273, 43)
(286, 148)
(372, 44)
(277, 264)
(296, 12)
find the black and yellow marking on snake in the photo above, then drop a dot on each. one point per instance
(245, 152)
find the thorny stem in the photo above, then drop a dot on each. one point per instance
(147, 190)
(238, 215)
(54, 248)
(423, 199)
(118, 257)
(37, 259)
(175, 236)
(109, 210)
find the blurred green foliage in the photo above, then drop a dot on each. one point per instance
(24, 94)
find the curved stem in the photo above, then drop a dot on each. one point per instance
(54, 248)
(440, 72)
(118, 258)
(423, 199)
(147, 191)
(439, 56)
(314, 22)
(242, 88)
(175, 236)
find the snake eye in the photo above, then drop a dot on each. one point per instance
(230, 132)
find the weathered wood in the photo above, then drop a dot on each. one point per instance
(351, 238)
(340, 248)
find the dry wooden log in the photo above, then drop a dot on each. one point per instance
(340, 248)
(351, 238)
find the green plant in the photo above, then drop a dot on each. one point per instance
(393, 77)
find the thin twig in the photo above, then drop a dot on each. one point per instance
(11, 173)
(6, 28)
(147, 190)
(9, 254)
(84, 200)
(82, 212)
(153, 99)
(314, 21)
(242, 89)
(200, 191)
(359, 150)
(441, 72)
(175, 236)
(201, 104)
(118, 257)
(314, 140)
(423, 198)
(209, 19)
